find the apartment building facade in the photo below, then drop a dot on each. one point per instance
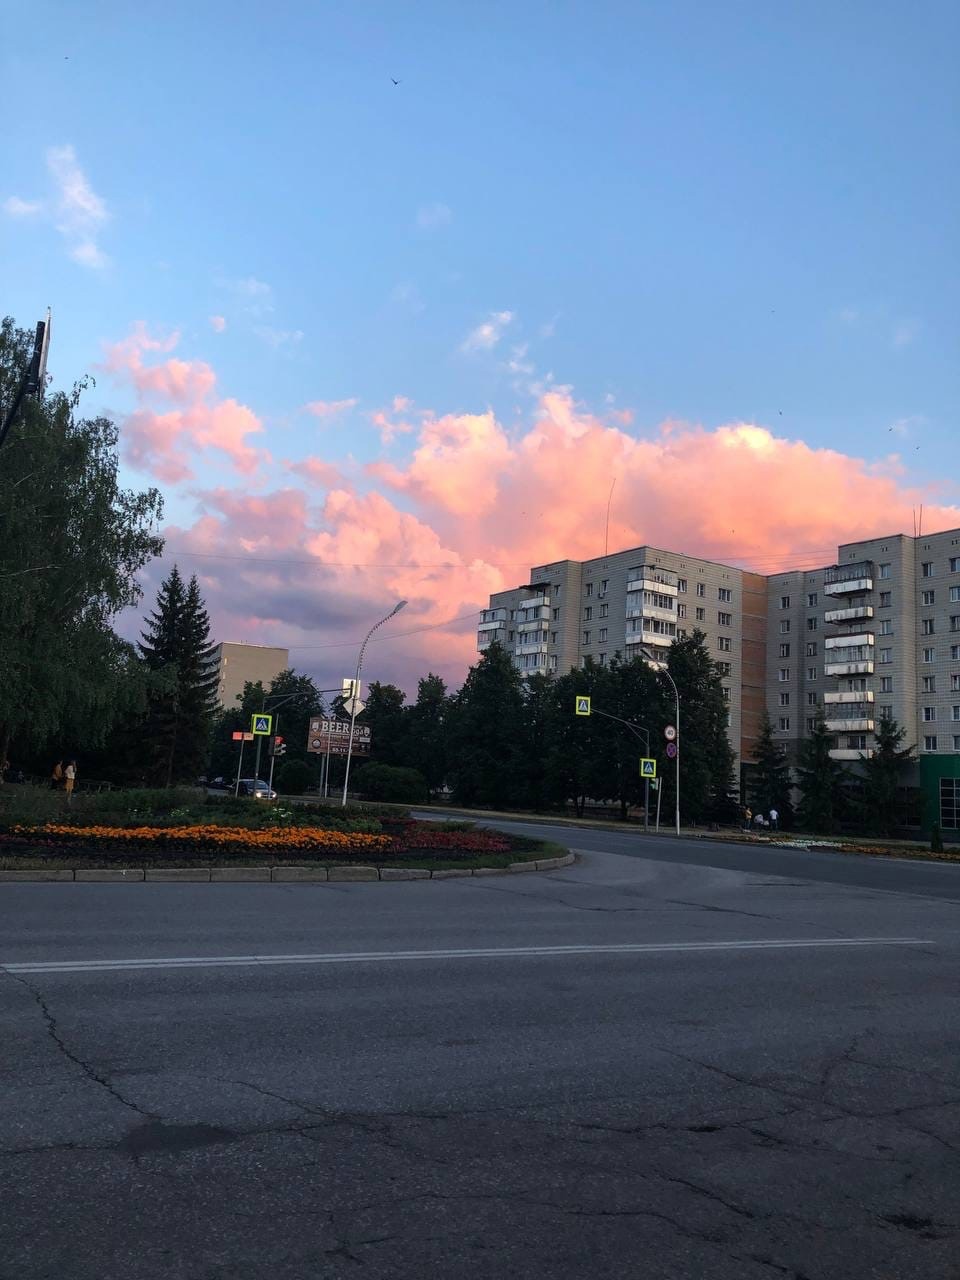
(641, 599)
(237, 663)
(876, 634)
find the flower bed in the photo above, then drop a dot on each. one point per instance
(205, 839)
(418, 836)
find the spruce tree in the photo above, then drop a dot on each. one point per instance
(175, 648)
(706, 756)
(426, 732)
(770, 780)
(486, 724)
(820, 779)
(883, 771)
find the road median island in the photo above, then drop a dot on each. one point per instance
(253, 844)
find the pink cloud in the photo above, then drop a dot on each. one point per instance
(218, 323)
(164, 441)
(328, 408)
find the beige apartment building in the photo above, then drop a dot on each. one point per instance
(875, 634)
(237, 663)
(642, 598)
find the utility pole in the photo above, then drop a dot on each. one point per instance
(34, 380)
(401, 604)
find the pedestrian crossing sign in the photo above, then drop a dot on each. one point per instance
(648, 768)
(262, 725)
(583, 706)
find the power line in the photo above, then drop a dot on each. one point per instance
(392, 635)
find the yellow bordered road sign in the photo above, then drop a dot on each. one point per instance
(648, 767)
(582, 705)
(261, 724)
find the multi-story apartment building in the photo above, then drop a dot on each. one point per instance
(237, 663)
(875, 634)
(639, 599)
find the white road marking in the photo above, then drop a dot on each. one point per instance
(472, 953)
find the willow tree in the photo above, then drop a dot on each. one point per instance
(71, 543)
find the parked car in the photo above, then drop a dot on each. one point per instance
(256, 788)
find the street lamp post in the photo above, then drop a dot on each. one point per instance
(673, 685)
(356, 693)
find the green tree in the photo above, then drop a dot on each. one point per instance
(391, 784)
(292, 778)
(426, 727)
(176, 649)
(71, 544)
(770, 780)
(706, 755)
(820, 779)
(486, 725)
(385, 714)
(882, 775)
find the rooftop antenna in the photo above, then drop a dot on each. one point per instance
(606, 535)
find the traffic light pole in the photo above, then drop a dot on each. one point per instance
(273, 755)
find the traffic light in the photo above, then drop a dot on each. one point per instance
(278, 746)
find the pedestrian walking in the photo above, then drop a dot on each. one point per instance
(56, 776)
(758, 820)
(774, 820)
(70, 780)
(747, 818)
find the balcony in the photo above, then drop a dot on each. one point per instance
(654, 580)
(856, 698)
(534, 602)
(848, 753)
(525, 628)
(651, 611)
(850, 641)
(529, 644)
(847, 724)
(849, 615)
(862, 667)
(848, 579)
(496, 624)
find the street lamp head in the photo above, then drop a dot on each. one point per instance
(402, 604)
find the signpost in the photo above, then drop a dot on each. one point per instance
(669, 732)
(648, 767)
(672, 750)
(582, 705)
(262, 725)
(328, 736)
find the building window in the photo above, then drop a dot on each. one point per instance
(886, 599)
(929, 655)
(602, 659)
(701, 590)
(956, 742)
(886, 684)
(681, 633)
(811, 648)
(929, 684)
(930, 742)
(603, 634)
(857, 742)
(603, 585)
(726, 692)
(886, 626)
(955, 622)
(784, 699)
(784, 675)
(681, 610)
(587, 613)
(926, 627)
(785, 627)
(812, 624)
(926, 569)
(724, 644)
(724, 595)
(812, 600)
(783, 724)
(701, 614)
(884, 571)
(929, 713)
(955, 653)
(681, 585)
(554, 662)
(886, 711)
(954, 683)
(811, 699)
(955, 564)
(784, 651)
(553, 637)
(556, 615)
(604, 610)
(811, 723)
(811, 673)
(784, 602)
(724, 668)
(510, 636)
(886, 655)
(586, 637)
(589, 590)
(955, 711)
(954, 594)
(724, 619)
(928, 597)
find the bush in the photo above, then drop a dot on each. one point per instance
(936, 839)
(293, 778)
(387, 782)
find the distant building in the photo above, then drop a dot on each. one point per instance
(238, 663)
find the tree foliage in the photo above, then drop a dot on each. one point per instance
(486, 723)
(770, 783)
(71, 543)
(820, 779)
(883, 772)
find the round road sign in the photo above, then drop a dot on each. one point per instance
(671, 749)
(669, 732)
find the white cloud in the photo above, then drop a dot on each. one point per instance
(279, 339)
(518, 362)
(18, 208)
(432, 216)
(905, 333)
(550, 328)
(218, 323)
(903, 428)
(486, 336)
(251, 287)
(80, 213)
(328, 408)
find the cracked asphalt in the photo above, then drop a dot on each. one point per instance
(742, 1113)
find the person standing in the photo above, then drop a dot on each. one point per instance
(70, 779)
(774, 820)
(747, 818)
(56, 776)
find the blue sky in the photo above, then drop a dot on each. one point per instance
(700, 212)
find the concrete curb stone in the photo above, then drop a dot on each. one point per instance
(109, 875)
(516, 867)
(450, 873)
(353, 873)
(39, 874)
(292, 875)
(404, 873)
(193, 875)
(239, 875)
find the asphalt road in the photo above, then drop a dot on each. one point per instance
(657, 1066)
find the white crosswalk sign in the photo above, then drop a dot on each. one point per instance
(261, 724)
(648, 768)
(583, 706)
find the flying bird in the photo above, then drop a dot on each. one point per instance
(395, 81)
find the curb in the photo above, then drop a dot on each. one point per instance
(276, 875)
